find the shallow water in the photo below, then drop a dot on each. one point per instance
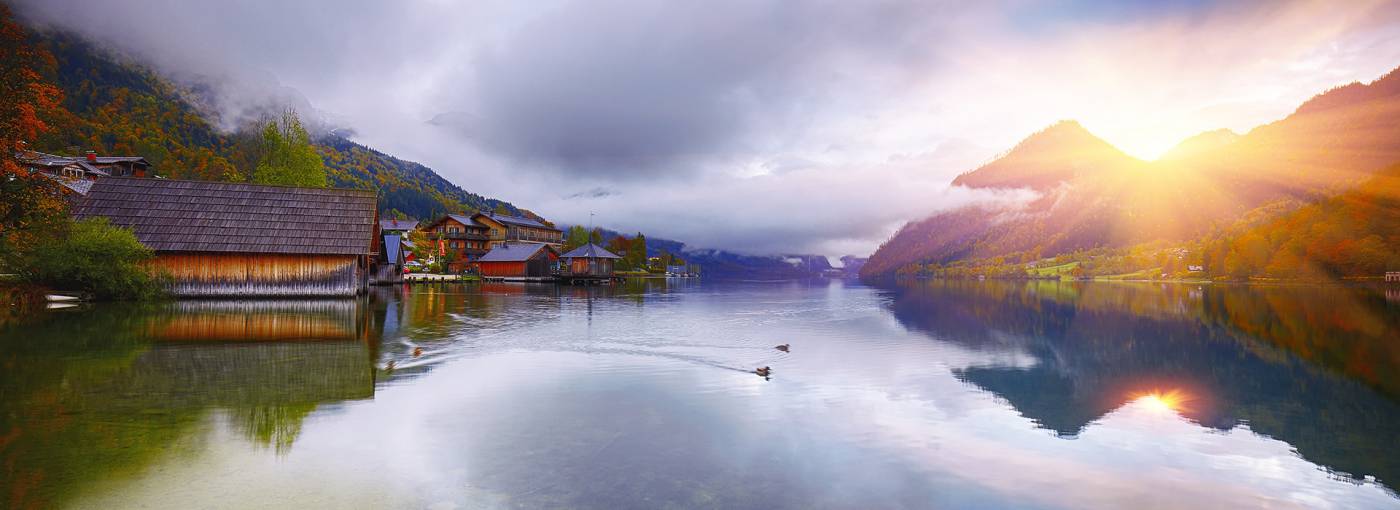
(928, 395)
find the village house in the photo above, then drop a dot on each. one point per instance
(519, 260)
(505, 228)
(78, 173)
(235, 239)
(460, 240)
(389, 260)
(588, 261)
(400, 227)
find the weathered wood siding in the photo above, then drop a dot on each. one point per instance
(590, 267)
(386, 274)
(247, 274)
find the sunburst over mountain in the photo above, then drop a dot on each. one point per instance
(1091, 195)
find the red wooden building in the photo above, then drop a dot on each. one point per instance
(519, 260)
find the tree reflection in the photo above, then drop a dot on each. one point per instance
(103, 392)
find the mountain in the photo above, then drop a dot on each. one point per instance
(1356, 232)
(1091, 195)
(722, 264)
(115, 106)
(1203, 143)
(1060, 153)
(404, 186)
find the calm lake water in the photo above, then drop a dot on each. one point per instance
(930, 395)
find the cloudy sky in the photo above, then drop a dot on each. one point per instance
(760, 126)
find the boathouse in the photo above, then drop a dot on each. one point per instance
(235, 239)
(588, 261)
(519, 260)
(389, 260)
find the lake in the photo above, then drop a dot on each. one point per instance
(939, 394)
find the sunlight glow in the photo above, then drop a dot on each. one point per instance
(1173, 401)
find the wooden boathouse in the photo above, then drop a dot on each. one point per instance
(589, 263)
(519, 261)
(235, 239)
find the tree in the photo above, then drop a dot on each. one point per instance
(286, 156)
(577, 236)
(95, 257)
(637, 252)
(596, 237)
(621, 247)
(31, 206)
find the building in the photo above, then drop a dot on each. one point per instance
(389, 260)
(1392, 276)
(519, 260)
(505, 228)
(460, 239)
(234, 239)
(400, 227)
(77, 173)
(588, 261)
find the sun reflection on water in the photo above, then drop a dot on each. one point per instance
(1169, 401)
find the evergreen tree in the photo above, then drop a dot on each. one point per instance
(578, 236)
(286, 155)
(637, 252)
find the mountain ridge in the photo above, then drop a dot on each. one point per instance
(1091, 197)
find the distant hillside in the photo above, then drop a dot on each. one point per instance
(1356, 233)
(121, 108)
(404, 186)
(728, 265)
(1092, 195)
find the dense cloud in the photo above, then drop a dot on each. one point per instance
(757, 125)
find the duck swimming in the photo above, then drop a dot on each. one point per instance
(417, 351)
(763, 371)
(783, 347)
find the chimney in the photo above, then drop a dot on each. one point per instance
(92, 156)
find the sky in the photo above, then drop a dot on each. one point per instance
(757, 126)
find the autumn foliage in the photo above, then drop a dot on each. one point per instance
(31, 206)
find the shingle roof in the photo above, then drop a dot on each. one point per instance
(516, 220)
(590, 251)
(398, 224)
(512, 252)
(173, 215)
(79, 185)
(45, 159)
(466, 220)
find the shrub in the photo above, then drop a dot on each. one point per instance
(95, 257)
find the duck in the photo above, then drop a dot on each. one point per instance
(764, 371)
(783, 347)
(417, 351)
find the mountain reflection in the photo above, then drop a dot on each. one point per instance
(1313, 366)
(77, 384)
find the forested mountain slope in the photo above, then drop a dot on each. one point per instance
(117, 107)
(1090, 195)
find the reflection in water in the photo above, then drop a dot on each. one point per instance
(1280, 360)
(90, 393)
(937, 394)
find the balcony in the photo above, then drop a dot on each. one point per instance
(458, 236)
